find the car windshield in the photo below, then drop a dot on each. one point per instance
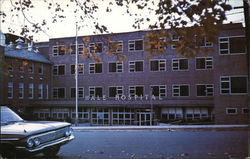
(8, 116)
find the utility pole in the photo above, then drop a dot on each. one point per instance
(76, 76)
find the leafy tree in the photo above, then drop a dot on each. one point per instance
(192, 22)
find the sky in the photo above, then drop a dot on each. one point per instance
(116, 21)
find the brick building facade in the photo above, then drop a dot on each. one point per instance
(112, 92)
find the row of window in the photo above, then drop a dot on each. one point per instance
(227, 45)
(156, 65)
(41, 93)
(30, 68)
(229, 85)
(234, 111)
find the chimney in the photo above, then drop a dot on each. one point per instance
(30, 46)
(19, 42)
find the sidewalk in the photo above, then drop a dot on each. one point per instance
(81, 127)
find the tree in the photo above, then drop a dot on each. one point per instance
(200, 18)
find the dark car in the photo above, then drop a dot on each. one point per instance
(26, 138)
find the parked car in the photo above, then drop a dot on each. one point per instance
(26, 138)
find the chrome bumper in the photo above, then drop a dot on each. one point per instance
(60, 141)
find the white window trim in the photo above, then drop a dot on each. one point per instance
(206, 60)
(179, 64)
(117, 64)
(179, 90)
(57, 54)
(229, 52)
(78, 92)
(116, 91)
(78, 69)
(57, 65)
(90, 87)
(32, 91)
(236, 112)
(230, 85)
(119, 41)
(129, 88)
(94, 67)
(206, 89)
(10, 85)
(134, 45)
(165, 94)
(134, 65)
(95, 43)
(159, 60)
(40, 90)
(22, 87)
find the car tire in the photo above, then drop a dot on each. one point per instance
(51, 151)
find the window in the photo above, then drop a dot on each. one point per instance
(233, 85)
(21, 68)
(232, 45)
(203, 42)
(204, 90)
(40, 69)
(73, 49)
(47, 92)
(21, 91)
(180, 64)
(95, 68)
(31, 91)
(10, 67)
(135, 66)
(158, 65)
(80, 69)
(231, 110)
(180, 90)
(246, 110)
(59, 70)
(96, 47)
(115, 67)
(58, 93)
(135, 45)
(204, 63)
(10, 90)
(136, 91)
(175, 39)
(58, 50)
(31, 68)
(40, 91)
(116, 46)
(80, 92)
(115, 91)
(158, 90)
(95, 91)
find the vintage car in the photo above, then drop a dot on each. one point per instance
(26, 138)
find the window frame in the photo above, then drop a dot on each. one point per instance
(228, 41)
(40, 91)
(134, 48)
(229, 88)
(119, 43)
(160, 61)
(94, 68)
(21, 90)
(117, 64)
(31, 88)
(10, 90)
(57, 65)
(94, 87)
(206, 87)
(56, 48)
(57, 88)
(134, 63)
(207, 60)
(179, 88)
(236, 111)
(165, 89)
(95, 47)
(178, 62)
(117, 90)
(80, 72)
(133, 95)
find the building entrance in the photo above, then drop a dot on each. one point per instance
(144, 118)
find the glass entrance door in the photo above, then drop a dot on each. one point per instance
(144, 118)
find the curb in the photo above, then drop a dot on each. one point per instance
(166, 128)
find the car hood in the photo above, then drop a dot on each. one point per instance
(26, 128)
